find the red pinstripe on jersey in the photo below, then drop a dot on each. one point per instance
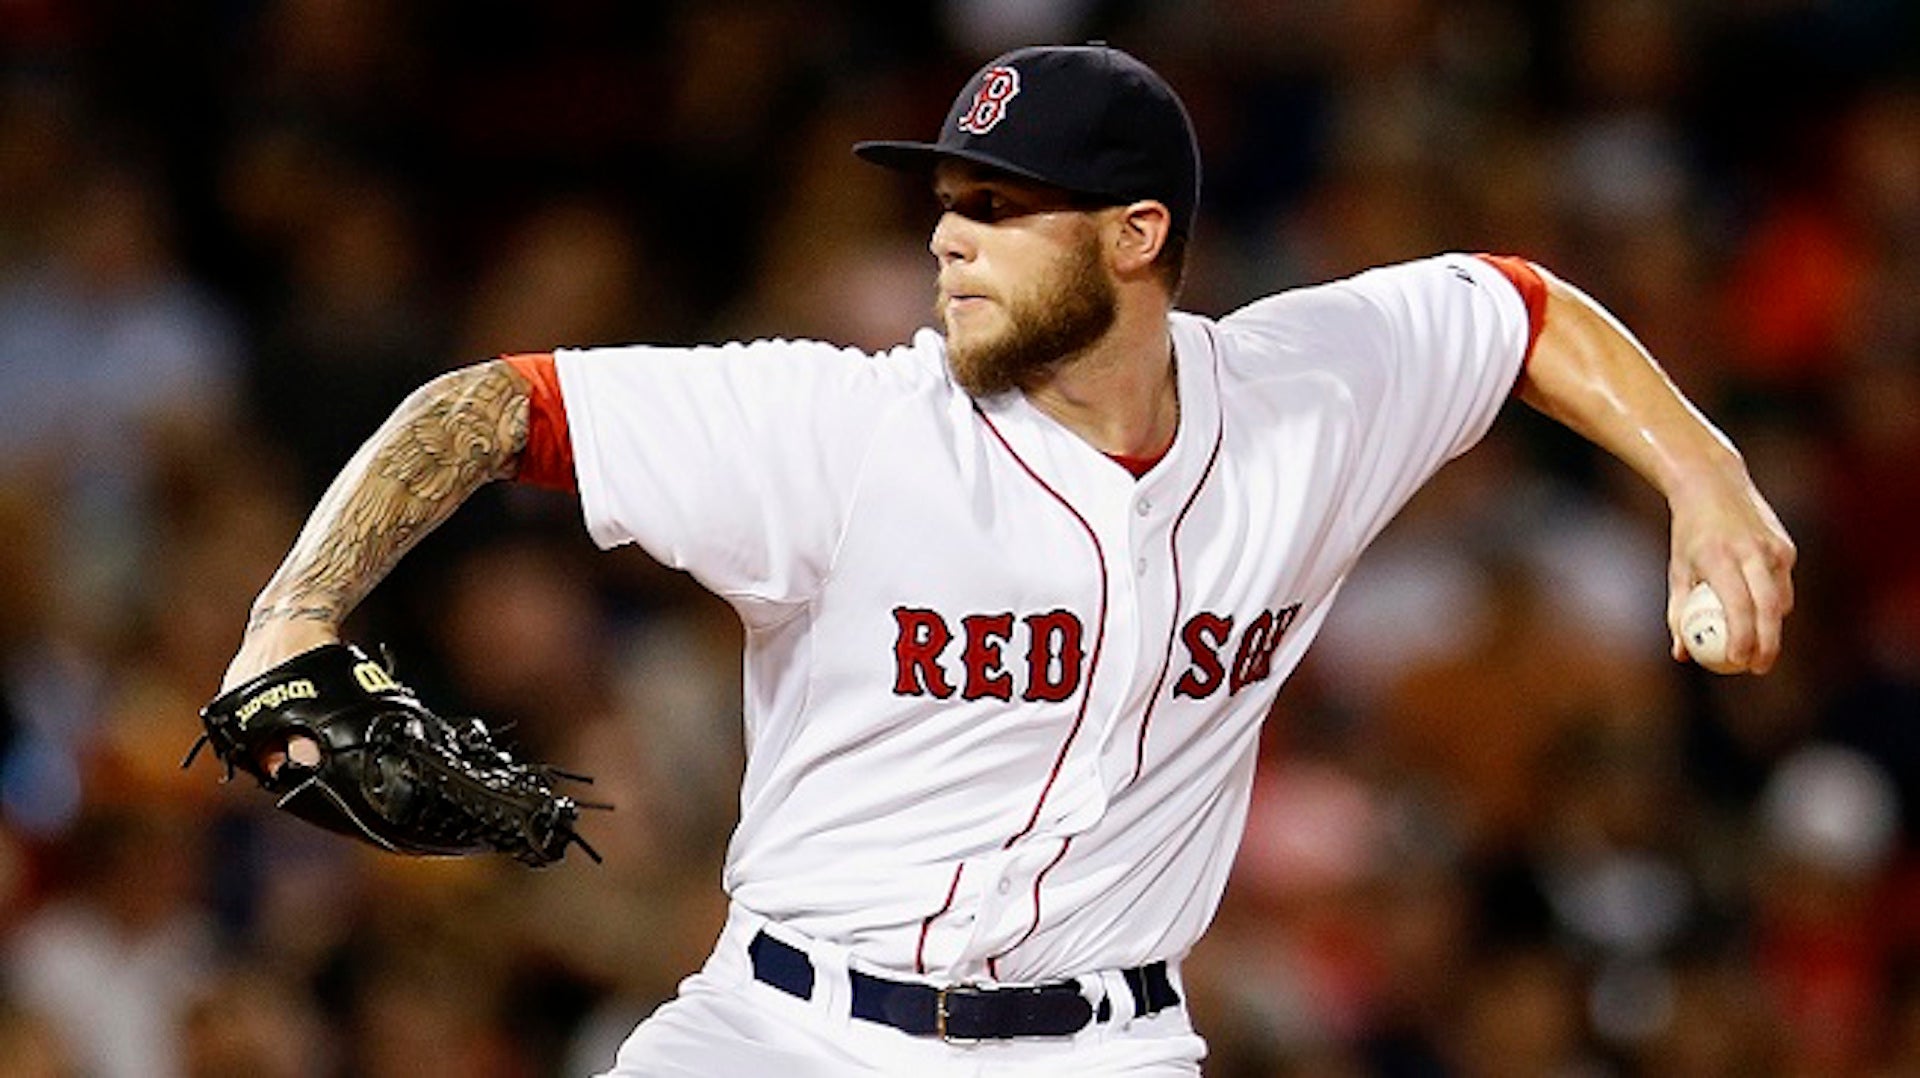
(920, 949)
(1099, 636)
(993, 961)
(1086, 688)
(1173, 624)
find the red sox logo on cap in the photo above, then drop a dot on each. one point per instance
(997, 87)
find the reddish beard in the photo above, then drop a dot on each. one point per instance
(1071, 308)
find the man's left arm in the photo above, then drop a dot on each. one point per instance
(1588, 372)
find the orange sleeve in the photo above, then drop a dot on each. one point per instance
(547, 461)
(1533, 292)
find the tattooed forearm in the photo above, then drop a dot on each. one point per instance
(446, 440)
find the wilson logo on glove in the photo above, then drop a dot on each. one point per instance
(374, 678)
(299, 689)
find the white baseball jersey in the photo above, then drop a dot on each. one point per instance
(1002, 698)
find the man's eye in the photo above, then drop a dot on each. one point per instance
(994, 206)
(981, 206)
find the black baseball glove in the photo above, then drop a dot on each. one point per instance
(389, 771)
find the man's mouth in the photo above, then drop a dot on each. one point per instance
(960, 299)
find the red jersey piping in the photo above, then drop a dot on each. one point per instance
(1086, 697)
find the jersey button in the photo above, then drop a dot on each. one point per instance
(1140, 567)
(1005, 886)
(1143, 507)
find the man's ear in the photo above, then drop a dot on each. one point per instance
(1140, 231)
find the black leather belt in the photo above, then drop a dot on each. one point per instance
(963, 1013)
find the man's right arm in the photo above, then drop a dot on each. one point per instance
(446, 440)
(1591, 375)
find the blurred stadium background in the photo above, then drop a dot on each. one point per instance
(1500, 833)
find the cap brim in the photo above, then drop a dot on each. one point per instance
(921, 157)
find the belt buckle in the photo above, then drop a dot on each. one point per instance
(940, 1015)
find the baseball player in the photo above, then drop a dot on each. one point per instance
(1018, 592)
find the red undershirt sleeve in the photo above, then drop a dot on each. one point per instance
(1533, 292)
(547, 461)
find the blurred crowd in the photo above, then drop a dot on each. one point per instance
(1498, 831)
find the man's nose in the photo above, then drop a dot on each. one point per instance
(952, 239)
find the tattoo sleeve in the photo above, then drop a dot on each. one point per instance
(446, 440)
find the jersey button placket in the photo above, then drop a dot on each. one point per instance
(1142, 534)
(996, 923)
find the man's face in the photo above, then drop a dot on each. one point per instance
(1023, 285)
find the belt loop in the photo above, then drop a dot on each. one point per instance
(832, 994)
(742, 926)
(1119, 997)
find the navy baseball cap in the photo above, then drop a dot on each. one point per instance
(1086, 118)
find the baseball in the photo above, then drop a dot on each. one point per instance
(1703, 626)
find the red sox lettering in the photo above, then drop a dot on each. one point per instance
(1050, 644)
(1206, 632)
(1053, 655)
